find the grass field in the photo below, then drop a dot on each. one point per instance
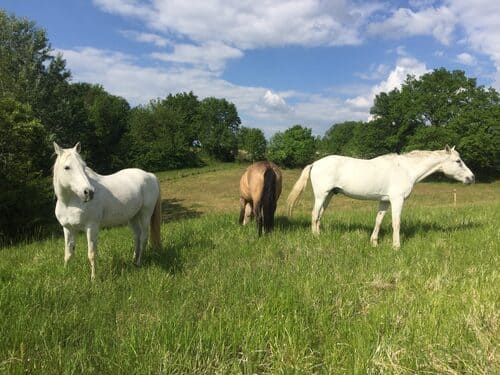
(216, 299)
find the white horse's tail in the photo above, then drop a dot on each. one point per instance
(298, 188)
(155, 227)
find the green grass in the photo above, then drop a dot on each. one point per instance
(216, 299)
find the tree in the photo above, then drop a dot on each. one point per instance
(155, 139)
(103, 125)
(25, 196)
(253, 143)
(295, 147)
(442, 107)
(341, 139)
(187, 106)
(31, 75)
(218, 128)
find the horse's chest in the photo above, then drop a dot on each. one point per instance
(71, 216)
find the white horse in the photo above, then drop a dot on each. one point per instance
(87, 201)
(389, 179)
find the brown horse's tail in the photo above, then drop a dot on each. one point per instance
(298, 188)
(155, 227)
(269, 199)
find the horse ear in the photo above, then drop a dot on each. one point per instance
(57, 148)
(447, 149)
(453, 148)
(78, 147)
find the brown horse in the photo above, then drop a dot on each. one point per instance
(260, 188)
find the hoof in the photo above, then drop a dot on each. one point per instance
(374, 243)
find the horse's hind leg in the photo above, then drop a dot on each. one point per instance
(245, 212)
(142, 220)
(248, 213)
(136, 228)
(242, 211)
(321, 202)
(69, 244)
(382, 209)
(257, 211)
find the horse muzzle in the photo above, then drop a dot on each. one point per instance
(470, 180)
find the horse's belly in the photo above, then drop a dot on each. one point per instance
(364, 195)
(115, 216)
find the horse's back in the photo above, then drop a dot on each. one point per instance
(358, 178)
(125, 193)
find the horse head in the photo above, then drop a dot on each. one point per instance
(70, 174)
(454, 167)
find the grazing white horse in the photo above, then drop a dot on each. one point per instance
(389, 179)
(87, 201)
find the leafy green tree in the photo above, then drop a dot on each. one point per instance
(434, 99)
(155, 139)
(187, 106)
(25, 196)
(479, 137)
(218, 128)
(295, 147)
(341, 139)
(442, 107)
(103, 125)
(32, 75)
(253, 142)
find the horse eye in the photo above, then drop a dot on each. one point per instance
(67, 168)
(459, 161)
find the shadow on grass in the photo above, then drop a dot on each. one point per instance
(408, 229)
(166, 257)
(173, 210)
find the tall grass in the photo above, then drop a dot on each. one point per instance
(216, 299)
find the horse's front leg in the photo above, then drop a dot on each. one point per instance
(382, 209)
(69, 244)
(396, 208)
(92, 232)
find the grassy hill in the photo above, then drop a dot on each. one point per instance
(216, 299)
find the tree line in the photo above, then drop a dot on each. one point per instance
(39, 104)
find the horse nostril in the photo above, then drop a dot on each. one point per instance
(89, 193)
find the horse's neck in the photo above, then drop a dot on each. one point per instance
(63, 195)
(419, 167)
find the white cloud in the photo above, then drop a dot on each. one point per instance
(375, 72)
(404, 66)
(480, 21)
(421, 3)
(248, 24)
(211, 54)
(274, 102)
(436, 22)
(466, 59)
(145, 38)
(120, 74)
(215, 31)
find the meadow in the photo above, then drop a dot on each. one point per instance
(217, 299)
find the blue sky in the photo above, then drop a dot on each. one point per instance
(309, 62)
